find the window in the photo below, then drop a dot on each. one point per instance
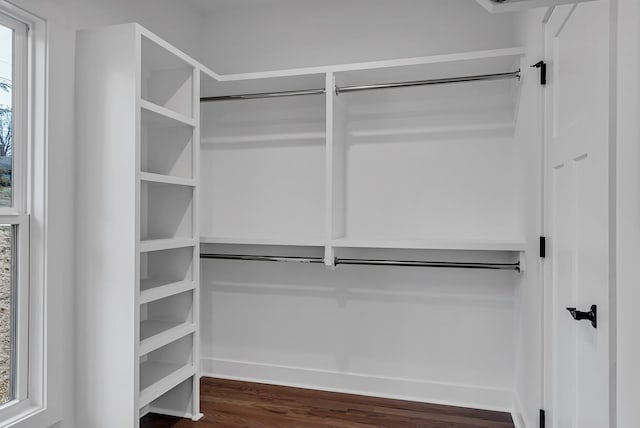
(24, 370)
(14, 218)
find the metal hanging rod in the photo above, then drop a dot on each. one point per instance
(263, 95)
(262, 258)
(345, 89)
(461, 79)
(420, 263)
(366, 262)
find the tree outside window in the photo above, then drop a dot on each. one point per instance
(6, 116)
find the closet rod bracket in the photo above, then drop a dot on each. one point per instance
(543, 71)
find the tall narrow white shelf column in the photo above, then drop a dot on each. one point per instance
(138, 133)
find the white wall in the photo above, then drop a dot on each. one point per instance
(244, 36)
(177, 24)
(528, 375)
(628, 213)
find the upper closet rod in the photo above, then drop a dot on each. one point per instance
(340, 90)
(461, 79)
(366, 262)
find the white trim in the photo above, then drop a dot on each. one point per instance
(517, 413)
(19, 320)
(418, 390)
(37, 409)
(20, 102)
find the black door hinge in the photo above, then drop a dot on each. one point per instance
(543, 71)
(543, 247)
(543, 417)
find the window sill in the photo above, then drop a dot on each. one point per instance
(31, 416)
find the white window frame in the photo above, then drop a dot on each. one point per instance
(20, 111)
(20, 304)
(31, 406)
(17, 216)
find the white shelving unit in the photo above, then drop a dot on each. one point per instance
(324, 173)
(139, 138)
(423, 168)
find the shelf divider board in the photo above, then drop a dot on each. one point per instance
(157, 378)
(152, 290)
(156, 334)
(167, 179)
(329, 165)
(195, 404)
(166, 113)
(166, 244)
(335, 167)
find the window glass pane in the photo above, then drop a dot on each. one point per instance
(6, 116)
(7, 263)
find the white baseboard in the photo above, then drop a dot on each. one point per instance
(517, 413)
(471, 396)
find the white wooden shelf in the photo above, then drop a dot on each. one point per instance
(265, 138)
(157, 378)
(433, 244)
(167, 179)
(418, 244)
(166, 244)
(156, 334)
(154, 289)
(293, 242)
(165, 117)
(297, 73)
(477, 128)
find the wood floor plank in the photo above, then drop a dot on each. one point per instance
(234, 404)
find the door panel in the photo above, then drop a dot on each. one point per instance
(577, 213)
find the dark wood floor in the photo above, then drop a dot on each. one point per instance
(227, 404)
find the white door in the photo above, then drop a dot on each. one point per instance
(577, 215)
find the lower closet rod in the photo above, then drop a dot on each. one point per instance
(262, 258)
(366, 262)
(279, 94)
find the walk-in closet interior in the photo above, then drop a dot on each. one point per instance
(348, 196)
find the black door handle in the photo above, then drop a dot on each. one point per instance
(592, 315)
